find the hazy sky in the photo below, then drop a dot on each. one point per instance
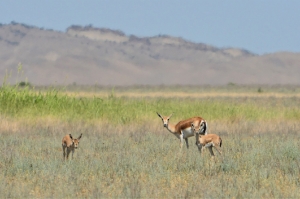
(260, 26)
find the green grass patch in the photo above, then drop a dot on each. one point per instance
(27, 103)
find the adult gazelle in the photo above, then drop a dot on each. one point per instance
(182, 130)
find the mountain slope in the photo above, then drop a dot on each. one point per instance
(88, 55)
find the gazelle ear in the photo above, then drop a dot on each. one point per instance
(71, 136)
(170, 115)
(158, 115)
(79, 137)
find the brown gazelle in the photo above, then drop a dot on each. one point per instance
(182, 130)
(206, 141)
(69, 144)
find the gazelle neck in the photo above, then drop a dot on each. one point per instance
(171, 128)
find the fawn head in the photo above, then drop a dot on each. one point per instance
(75, 142)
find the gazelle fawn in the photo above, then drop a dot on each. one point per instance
(69, 144)
(182, 130)
(206, 141)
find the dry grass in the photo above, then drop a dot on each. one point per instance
(132, 161)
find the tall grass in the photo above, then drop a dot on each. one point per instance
(126, 153)
(122, 110)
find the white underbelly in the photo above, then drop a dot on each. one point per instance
(187, 132)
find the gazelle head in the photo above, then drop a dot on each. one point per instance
(75, 141)
(165, 119)
(199, 128)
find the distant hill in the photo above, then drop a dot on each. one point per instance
(89, 55)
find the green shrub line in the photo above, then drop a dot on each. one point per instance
(16, 102)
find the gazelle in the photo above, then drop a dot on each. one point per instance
(69, 144)
(182, 130)
(206, 141)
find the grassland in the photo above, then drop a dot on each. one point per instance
(126, 153)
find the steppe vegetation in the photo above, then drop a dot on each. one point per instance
(126, 153)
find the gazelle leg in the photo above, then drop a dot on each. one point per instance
(202, 149)
(68, 152)
(211, 151)
(218, 149)
(181, 140)
(199, 147)
(186, 142)
(197, 141)
(73, 153)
